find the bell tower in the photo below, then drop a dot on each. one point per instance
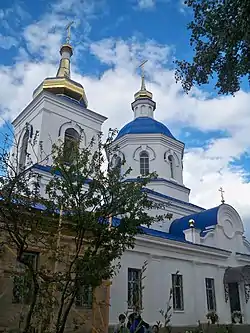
(147, 146)
(59, 107)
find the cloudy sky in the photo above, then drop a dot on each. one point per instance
(110, 38)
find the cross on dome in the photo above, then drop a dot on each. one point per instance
(62, 84)
(222, 195)
(143, 92)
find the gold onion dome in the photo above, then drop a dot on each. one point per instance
(62, 83)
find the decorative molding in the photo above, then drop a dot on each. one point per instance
(118, 155)
(163, 205)
(75, 126)
(43, 103)
(170, 152)
(181, 246)
(149, 150)
(69, 124)
(227, 214)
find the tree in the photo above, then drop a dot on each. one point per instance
(88, 216)
(220, 36)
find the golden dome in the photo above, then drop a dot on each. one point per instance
(62, 83)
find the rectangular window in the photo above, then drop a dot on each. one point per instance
(177, 285)
(210, 291)
(84, 292)
(22, 282)
(134, 288)
(84, 297)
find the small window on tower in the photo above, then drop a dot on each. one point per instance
(116, 162)
(171, 165)
(71, 144)
(144, 163)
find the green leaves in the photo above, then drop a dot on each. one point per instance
(86, 217)
(220, 35)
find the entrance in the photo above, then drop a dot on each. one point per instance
(234, 297)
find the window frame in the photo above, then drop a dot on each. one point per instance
(84, 297)
(171, 164)
(70, 139)
(210, 292)
(144, 163)
(84, 292)
(135, 283)
(176, 287)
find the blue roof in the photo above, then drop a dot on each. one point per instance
(203, 221)
(162, 234)
(145, 125)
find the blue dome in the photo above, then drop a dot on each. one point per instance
(203, 221)
(144, 125)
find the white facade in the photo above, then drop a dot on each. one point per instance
(201, 249)
(200, 244)
(195, 263)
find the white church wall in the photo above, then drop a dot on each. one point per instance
(51, 115)
(34, 119)
(132, 147)
(194, 264)
(170, 189)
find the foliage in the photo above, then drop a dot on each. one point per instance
(212, 316)
(206, 329)
(237, 314)
(72, 225)
(138, 293)
(220, 36)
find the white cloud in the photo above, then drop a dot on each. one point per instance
(148, 4)
(143, 4)
(6, 42)
(182, 6)
(43, 38)
(207, 168)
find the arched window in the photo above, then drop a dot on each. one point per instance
(171, 164)
(23, 150)
(144, 163)
(117, 161)
(71, 144)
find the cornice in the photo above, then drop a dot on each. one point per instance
(242, 257)
(148, 138)
(183, 248)
(164, 196)
(65, 104)
(172, 184)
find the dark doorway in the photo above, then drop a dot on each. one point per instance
(234, 296)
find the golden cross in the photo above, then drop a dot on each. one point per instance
(222, 195)
(143, 87)
(142, 67)
(68, 28)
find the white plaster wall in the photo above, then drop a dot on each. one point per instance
(170, 189)
(194, 267)
(47, 113)
(157, 145)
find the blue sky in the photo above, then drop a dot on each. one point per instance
(110, 38)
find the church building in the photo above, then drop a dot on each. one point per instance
(200, 254)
